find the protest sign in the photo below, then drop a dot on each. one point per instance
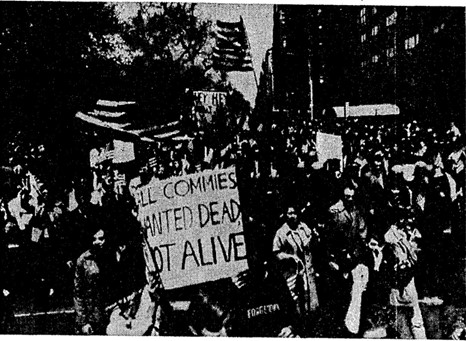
(193, 227)
(123, 151)
(211, 99)
(366, 110)
(206, 104)
(328, 147)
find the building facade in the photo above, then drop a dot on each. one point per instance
(413, 57)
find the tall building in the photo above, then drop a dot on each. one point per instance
(413, 57)
(290, 54)
(332, 51)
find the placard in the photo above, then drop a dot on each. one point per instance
(193, 227)
(329, 146)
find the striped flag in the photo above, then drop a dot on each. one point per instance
(153, 162)
(232, 52)
(109, 154)
(125, 117)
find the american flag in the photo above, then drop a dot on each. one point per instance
(232, 51)
(153, 162)
(125, 117)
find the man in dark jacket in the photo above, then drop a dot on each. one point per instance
(264, 307)
(91, 286)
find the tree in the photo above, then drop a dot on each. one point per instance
(44, 77)
(160, 49)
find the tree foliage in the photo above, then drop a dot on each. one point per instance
(58, 58)
(43, 74)
(159, 50)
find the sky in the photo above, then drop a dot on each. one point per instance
(258, 20)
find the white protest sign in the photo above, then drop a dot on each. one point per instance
(123, 151)
(193, 227)
(329, 146)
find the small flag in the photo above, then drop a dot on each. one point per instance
(120, 183)
(153, 162)
(232, 52)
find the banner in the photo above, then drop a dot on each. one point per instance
(193, 227)
(329, 146)
(367, 110)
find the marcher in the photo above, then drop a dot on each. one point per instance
(264, 306)
(209, 314)
(292, 247)
(377, 315)
(91, 286)
(343, 240)
(365, 224)
(7, 319)
(403, 296)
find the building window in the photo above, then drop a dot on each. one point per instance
(363, 38)
(375, 58)
(282, 17)
(411, 42)
(391, 19)
(390, 52)
(375, 30)
(362, 15)
(364, 64)
(374, 10)
(438, 28)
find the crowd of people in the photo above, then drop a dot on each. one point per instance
(336, 248)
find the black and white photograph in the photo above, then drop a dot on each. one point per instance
(224, 169)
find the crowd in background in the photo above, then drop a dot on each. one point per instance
(398, 192)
